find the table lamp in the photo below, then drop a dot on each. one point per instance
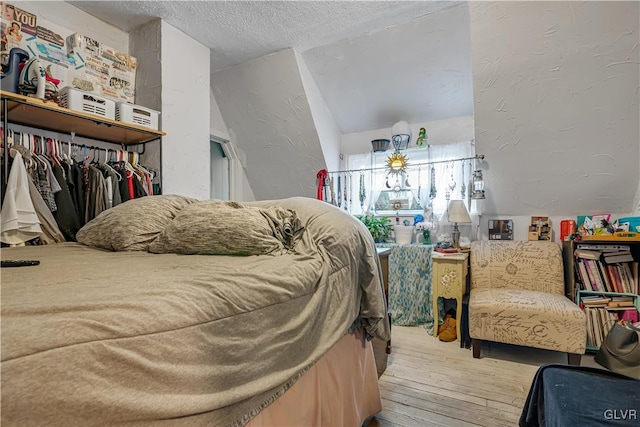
(457, 213)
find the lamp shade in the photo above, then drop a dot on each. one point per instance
(401, 128)
(458, 212)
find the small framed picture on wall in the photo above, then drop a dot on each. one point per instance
(540, 228)
(500, 229)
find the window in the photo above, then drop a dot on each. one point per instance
(411, 192)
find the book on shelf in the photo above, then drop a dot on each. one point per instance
(583, 275)
(629, 315)
(608, 269)
(620, 302)
(595, 301)
(599, 323)
(603, 247)
(587, 254)
(614, 258)
(594, 274)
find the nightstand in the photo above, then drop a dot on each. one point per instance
(449, 281)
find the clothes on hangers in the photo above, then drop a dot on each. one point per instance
(65, 216)
(51, 233)
(66, 193)
(20, 222)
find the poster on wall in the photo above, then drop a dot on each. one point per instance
(501, 229)
(69, 58)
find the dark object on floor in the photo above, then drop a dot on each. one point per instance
(465, 339)
(620, 351)
(568, 396)
(19, 263)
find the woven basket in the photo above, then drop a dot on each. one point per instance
(380, 144)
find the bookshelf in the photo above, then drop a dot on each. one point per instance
(606, 290)
(600, 316)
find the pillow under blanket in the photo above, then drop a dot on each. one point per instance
(215, 227)
(132, 225)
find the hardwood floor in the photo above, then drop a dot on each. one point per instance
(433, 383)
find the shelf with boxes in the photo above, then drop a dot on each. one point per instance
(47, 115)
(601, 276)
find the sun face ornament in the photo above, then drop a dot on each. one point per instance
(397, 163)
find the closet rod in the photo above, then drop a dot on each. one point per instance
(92, 147)
(123, 147)
(461, 159)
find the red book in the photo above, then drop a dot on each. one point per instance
(616, 270)
(614, 280)
(584, 277)
(592, 272)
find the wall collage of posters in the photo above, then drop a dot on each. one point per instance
(69, 58)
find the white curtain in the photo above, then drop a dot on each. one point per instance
(450, 176)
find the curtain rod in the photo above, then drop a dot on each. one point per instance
(461, 159)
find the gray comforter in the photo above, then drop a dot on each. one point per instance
(91, 337)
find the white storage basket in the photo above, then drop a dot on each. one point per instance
(137, 115)
(75, 99)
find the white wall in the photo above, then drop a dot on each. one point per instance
(446, 131)
(265, 108)
(556, 92)
(217, 126)
(326, 126)
(145, 44)
(240, 188)
(185, 114)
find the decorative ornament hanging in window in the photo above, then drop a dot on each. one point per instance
(397, 163)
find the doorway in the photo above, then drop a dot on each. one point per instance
(220, 183)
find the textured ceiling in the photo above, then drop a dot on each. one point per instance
(416, 71)
(375, 62)
(237, 31)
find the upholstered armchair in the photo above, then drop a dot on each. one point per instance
(517, 297)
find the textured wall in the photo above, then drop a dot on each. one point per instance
(265, 108)
(185, 114)
(326, 126)
(557, 105)
(145, 44)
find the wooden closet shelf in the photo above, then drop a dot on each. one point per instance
(48, 115)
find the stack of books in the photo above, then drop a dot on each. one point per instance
(621, 302)
(607, 268)
(599, 323)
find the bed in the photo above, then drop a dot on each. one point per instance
(101, 337)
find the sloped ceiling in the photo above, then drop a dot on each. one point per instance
(237, 31)
(555, 84)
(266, 110)
(416, 71)
(375, 62)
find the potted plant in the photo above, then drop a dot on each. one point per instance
(379, 227)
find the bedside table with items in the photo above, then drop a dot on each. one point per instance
(449, 281)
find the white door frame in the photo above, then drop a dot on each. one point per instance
(235, 166)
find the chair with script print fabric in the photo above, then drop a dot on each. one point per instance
(517, 297)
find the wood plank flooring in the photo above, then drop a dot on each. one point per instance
(433, 383)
